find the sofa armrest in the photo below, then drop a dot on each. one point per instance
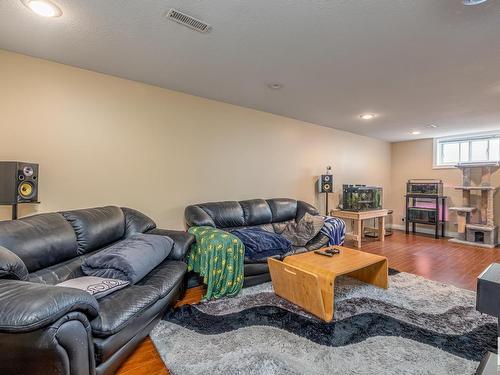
(182, 242)
(11, 266)
(136, 222)
(26, 306)
(64, 347)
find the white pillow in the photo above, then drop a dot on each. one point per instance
(96, 286)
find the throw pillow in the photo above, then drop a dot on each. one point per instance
(97, 286)
(130, 259)
(299, 234)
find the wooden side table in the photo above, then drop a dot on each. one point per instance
(308, 279)
(357, 220)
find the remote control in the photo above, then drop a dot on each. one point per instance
(323, 253)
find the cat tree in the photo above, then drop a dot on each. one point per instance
(476, 221)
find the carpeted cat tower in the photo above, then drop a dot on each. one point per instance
(476, 221)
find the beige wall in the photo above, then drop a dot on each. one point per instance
(413, 159)
(104, 140)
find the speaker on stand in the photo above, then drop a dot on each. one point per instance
(325, 185)
(18, 184)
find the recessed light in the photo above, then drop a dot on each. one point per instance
(367, 116)
(473, 2)
(44, 8)
(431, 126)
(275, 86)
(415, 132)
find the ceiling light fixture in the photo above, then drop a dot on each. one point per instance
(44, 8)
(275, 86)
(368, 116)
(415, 132)
(473, 2)
(431, 126)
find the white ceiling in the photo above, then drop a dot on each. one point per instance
(413, 62)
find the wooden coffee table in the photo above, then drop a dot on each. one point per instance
(308, 279)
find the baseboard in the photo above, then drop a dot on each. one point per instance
(422, 230)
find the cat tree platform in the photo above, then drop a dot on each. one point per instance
(482, 232)
(479, 235)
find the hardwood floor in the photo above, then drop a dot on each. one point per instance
(438, 260)
(422, 255)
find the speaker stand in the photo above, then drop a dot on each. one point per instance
(326, 203)
(14, 211)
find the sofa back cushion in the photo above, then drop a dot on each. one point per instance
(255, 212)
(282, 209)
(59, 272)
(227, 214)
(96, 227)
(40, 240)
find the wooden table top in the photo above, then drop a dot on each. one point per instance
(357, 215)
(347, 261)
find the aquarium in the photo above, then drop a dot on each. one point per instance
(361, 198)
(424, 187)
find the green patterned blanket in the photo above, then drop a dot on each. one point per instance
(218, 257)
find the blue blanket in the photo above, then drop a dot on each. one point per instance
(334, 229)
(260, 243)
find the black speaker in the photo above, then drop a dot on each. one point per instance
(18, 182)
(325, 183)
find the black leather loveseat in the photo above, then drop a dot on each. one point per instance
(46, 329)
(270, 214)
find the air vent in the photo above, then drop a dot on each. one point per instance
(188, 21)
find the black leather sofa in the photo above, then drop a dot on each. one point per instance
(270, 214)
(45, 329)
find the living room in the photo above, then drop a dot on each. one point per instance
(127, 123)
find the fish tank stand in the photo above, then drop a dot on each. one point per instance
(434, 214)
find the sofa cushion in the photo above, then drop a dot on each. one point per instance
(136, 222)
(130, 259)
(121, 308)
(40, 240)
(165, 276)
(117, 309)
(139, 325)
(96, 227)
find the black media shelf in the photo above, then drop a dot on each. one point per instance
(434, 216)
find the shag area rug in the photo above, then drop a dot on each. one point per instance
(417, 326)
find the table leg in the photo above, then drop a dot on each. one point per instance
(314, 293)
(359, 225)
(381, 228)
(377, 274)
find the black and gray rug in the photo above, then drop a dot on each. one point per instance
(417, 326)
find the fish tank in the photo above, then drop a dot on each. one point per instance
(425, 187)
(361, 198)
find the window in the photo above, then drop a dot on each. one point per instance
(467, 149)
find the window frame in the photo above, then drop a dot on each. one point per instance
(437, 156)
